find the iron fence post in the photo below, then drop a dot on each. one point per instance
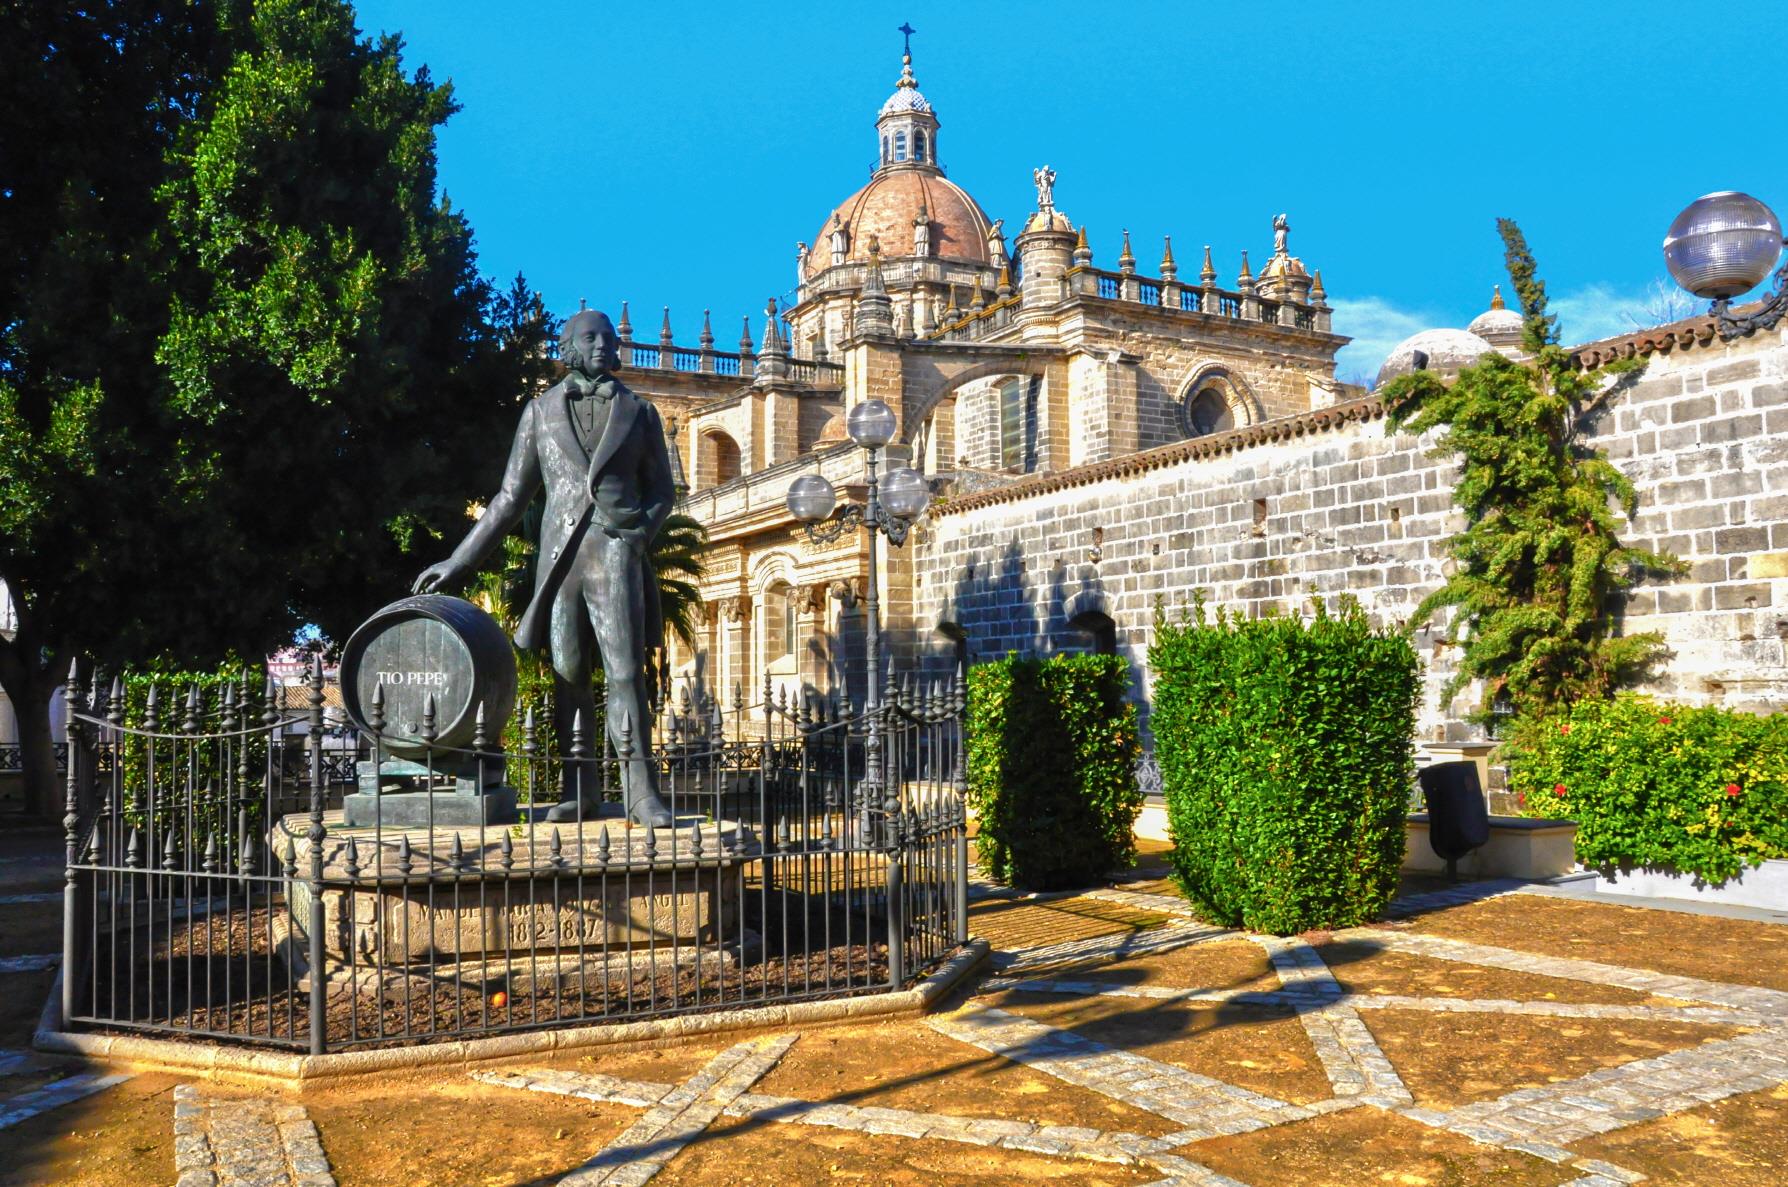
(960, 779)
(71, 907)
(316, 835)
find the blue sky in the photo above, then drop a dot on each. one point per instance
(672, 154)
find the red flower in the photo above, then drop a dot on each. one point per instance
(1559, 791)
(1731, 791)
(1663, 721)
(1565, 728)
(1521, 798)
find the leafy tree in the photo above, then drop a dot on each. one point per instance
(1540, 561)
(247, 365)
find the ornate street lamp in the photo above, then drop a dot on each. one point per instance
(1723, 245)
(891, 506)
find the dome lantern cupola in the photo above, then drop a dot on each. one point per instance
(906, 127)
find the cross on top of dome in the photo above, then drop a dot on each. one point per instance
(906, 96)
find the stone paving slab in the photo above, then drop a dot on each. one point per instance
(1206, 1107)
(1351, 1056)
(54, 1095)
(34, 963)
(248, 1142)
(1772, 1002)
(643, 1148)
(1100, 949)
(1613, 1098)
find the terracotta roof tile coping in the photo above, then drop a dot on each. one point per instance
(1285, 428)
(1686, 334)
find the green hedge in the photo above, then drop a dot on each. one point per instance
(1285, 748)
(1052, 752)
(1701, 790)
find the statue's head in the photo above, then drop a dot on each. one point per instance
(588, 344)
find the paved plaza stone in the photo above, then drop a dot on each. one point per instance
(1096, 1110)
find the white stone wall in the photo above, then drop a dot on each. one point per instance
(1703, 433)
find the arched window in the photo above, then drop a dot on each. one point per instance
(1208, 410)
(1018, 425)
(718, 460)
(1101, 631)
(900, 146)
(779, 622)
(918, 146)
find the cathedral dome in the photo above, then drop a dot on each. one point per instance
(887, 207)
(1448, 352)
(1497, 325)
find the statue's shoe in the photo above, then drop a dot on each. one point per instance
(566, 810)
(649, 809)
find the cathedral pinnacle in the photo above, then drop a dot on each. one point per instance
(1208, 273)
(906, 56)
(1495, 297)
(625, 328)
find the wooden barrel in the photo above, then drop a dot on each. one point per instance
(429, 645)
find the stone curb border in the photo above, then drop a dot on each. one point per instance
(291, 1069)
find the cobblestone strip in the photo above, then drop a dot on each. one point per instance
(1770, 1002)
(1206, 1107)
(55, 1094)
(588, 1085)
(643, 1148)
(1102, 949)
(245, 1143)
(34, 963)
(1165, 904)
(1613, 1098)
(1287, 999)
(1453, 896)
(1064, 1140)
(14, 1062)
(1711, 1015)
(1351, 1057)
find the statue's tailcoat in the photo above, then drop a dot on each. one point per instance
(623, 487)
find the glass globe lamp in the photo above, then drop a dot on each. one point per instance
(904, 493)
(871, 424)
(811, 498)
(1722, 245)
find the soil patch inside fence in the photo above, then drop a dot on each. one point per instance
(225, 974)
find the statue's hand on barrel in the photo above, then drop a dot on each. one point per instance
(444, 575)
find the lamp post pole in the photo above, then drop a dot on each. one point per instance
(814, 501)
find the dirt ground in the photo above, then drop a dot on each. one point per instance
(1734, 950)
(909, 1067)
(735, 1151)
(1360, 969)
(1453, 1059)
(1261, 1049)
(1367, 1146)
(122, 1137)
(1738, 1142)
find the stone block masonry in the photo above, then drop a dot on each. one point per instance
(1330, 503)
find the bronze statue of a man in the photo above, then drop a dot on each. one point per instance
(599, 452)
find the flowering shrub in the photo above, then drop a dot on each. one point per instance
(1701, 790)
(1285, 748)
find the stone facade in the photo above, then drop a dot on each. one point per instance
(1328, 502)
(1002, 361)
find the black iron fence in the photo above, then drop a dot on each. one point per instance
(214, 891)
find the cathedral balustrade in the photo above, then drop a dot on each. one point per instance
(1206, 299)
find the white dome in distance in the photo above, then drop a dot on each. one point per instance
(1448, 352)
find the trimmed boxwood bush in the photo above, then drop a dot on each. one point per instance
(1052, 755)
(1701, 790)
(1285, 748)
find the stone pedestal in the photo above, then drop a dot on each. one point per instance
(405, 896)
